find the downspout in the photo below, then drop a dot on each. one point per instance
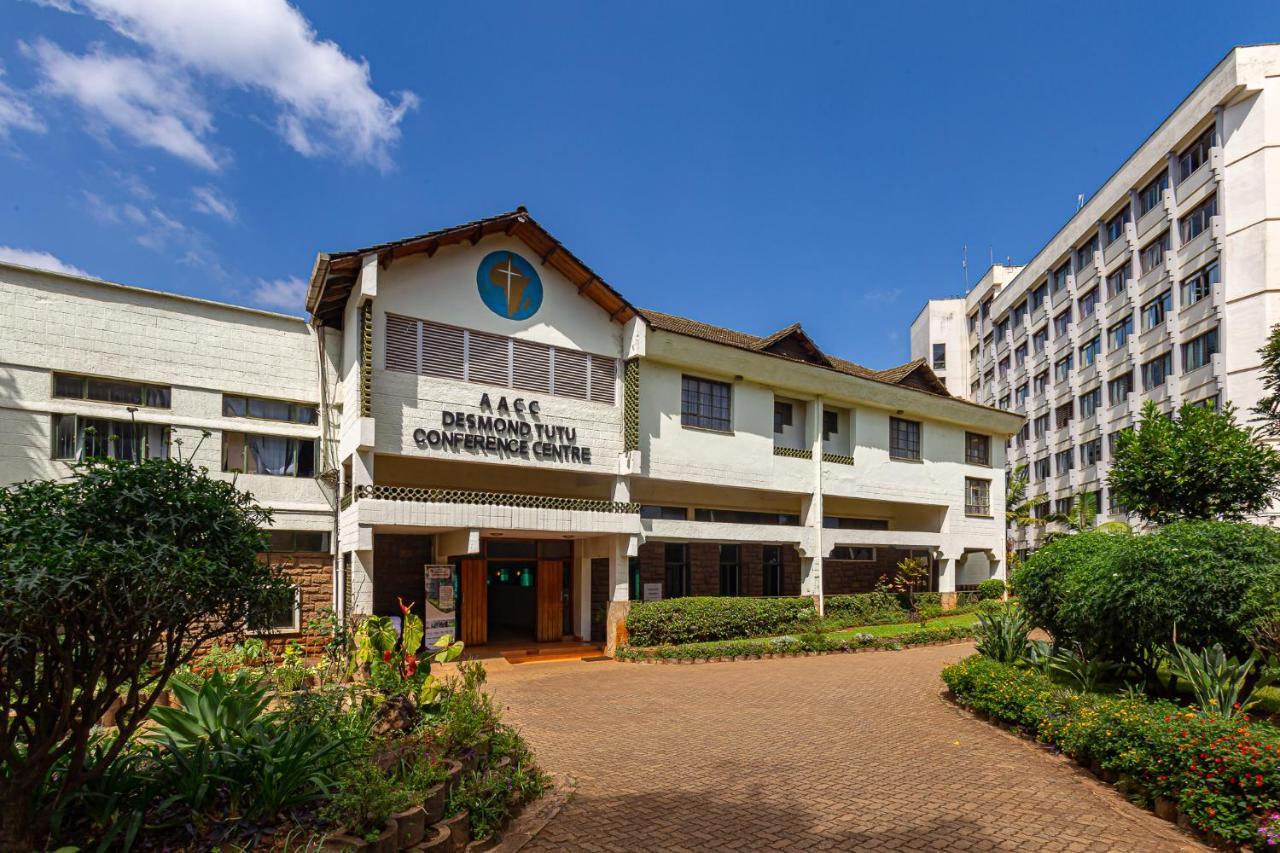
(330, 474)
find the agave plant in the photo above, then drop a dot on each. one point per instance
(215, 710)
(1004, 634)
(1087, 674)
(1220, 685)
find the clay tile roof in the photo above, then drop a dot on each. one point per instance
(741, 340)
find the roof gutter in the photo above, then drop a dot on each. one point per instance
(319, 278)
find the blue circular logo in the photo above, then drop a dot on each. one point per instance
(509, 285)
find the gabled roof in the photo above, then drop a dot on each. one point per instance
(914, 374)
(335, 273)
(792, 342)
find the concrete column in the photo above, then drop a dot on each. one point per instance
(582, 589)
(948, 567)
(361, 583)
(812, 512)
(621, 549)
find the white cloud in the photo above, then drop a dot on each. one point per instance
(152, 228)
(16, 111)
(38, 259)
(285, 294)
(884, 294)
(209, 200)
(150, 102)
(326, 101)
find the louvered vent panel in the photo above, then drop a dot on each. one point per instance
(488, 358)
(402, 344)
(571, 373)
(532, 364)
(603, 372)
(442, 351)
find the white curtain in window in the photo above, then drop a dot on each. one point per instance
(272, 455)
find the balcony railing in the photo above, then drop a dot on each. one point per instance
(793, 452)
(838, 458)
(465, 496)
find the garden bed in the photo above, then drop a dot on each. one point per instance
(1212, 775)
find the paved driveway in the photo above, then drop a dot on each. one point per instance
(843, 752)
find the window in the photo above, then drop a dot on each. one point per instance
(676, 566)
(1090, 351)
(1059, 280)
(830, 424)
(985, 308)
(1062, 506)
(273, 455)
(110, 391)
(287, 618)
(973, 321)
(1062, 368)
(771, 565)
(1118, 335)
(1064, 414)
(1038, 297)
(705, 404)
(1118, 281)
(1196, 353)
(1064, 460)
(80, 437)
(1152, 195)
(1040, 339)
(977, 448)
(434, 349)
(1040, 383)
(1062, 324)
(782, 416)
(1119, 389)
(288, 541)
(1196, 222)
(1195, 156)
(1090, 402)
(1020, 395)
(664, 513)
(744, 516)
(1041, 425)
(1018, 313)
(1084, 255)
(853, 553)
(635, 585)
(1200, 284)
(1115, 225)
(1152, 254)
(729, 569)
(1024, 433)
(977, 496)
(1003, 367)
(1113, 439)
(1154, 312)
(939, 356)
(1156, 371)
(1002, 329)
(904, 439)
(1089, 302)
(1020, 354)
(1091, 452)
(271, 410)
(1041, 467)
(839, 522)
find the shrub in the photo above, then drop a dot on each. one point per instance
(1125, 598)
(1004, 634)
(702, 619)
(788, 644)
(868, 608)
(990, 589)
(1224, 774)
(1220, 685)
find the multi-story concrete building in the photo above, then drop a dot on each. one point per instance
(474, 419)
(1162, 287)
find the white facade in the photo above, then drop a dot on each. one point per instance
(1162, 287)
(631, 449)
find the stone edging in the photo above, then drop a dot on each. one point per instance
(771, 656)
(537, 815)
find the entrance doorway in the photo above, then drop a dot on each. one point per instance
(516, 591)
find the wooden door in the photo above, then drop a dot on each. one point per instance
(473, 620)
(549, 624)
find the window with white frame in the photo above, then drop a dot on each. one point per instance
(1152, 254)
(1197, 353)
(1157, 371)
(1090, 351)
(1089, 302)
(1118, 334)
(939, 356)
(1040, 425)
(1115, 225)
(1195, 156)
(1199, 285)
(1118, 281)
(285, 619)
(1197, 221)
(1062, 368)
(1090, 402)
(1040, 338)
(1091, 452)
(1062, 324)
(1154, 312)
(1058, 282)
(1152, 195)
(1038, 296)
(977, 496)
(1119, 388)
(1065, 460)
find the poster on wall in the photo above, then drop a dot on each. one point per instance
(653, 592)
(440, 603)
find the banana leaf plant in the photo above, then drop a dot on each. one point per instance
(398, 665)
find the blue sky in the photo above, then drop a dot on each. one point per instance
(746, 164)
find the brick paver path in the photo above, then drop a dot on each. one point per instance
(843, 752)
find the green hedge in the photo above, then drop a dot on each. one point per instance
(1222, 774)
(868, 608)
(793, 644)
(702, 619)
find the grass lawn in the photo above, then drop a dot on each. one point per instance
(962, 620)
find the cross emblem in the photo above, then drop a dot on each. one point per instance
(512, 281)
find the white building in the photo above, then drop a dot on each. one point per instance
(1163, 286)
(476, 411)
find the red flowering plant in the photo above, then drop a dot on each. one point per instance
(397, 664)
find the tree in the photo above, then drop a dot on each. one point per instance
(109, 581)
(1019, 507)
(1197, 464)
(1268, 408)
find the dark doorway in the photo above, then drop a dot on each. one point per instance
(512, 599)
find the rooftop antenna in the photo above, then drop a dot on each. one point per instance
(964, 264)
(1079, 200)
(991, 257)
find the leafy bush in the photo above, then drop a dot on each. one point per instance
(868, 608)
(1125, 598)
(791, 644)
(1004, 634)
(702, 619)
(990, 589)
(1224, 774)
